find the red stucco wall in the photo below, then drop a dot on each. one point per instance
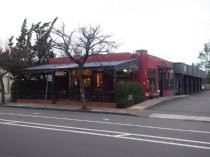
(147, 61)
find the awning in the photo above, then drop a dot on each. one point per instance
(132, 64)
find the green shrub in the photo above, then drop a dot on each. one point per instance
(15, 90)
(122, 90)
(23, 89)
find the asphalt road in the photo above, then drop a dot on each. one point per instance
(39, 133)
(198, 104)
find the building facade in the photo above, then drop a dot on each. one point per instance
(158, 77)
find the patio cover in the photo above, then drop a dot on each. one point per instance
(131, 64)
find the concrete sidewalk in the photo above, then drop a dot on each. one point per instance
(151, 102)
(136, 110)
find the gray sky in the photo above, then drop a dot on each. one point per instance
(172, 29)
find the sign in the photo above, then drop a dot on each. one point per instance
(49, 78)
(60, 73)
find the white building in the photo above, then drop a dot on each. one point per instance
(7, 83)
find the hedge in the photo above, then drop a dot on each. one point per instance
(124, 89)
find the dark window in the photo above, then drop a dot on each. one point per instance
(152, 79)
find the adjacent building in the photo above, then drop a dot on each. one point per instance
(7, 83)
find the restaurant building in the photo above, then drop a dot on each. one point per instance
(157, 76)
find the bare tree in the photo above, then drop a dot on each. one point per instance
(79, 45)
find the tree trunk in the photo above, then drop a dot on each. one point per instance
(82, 88)
(2, 90)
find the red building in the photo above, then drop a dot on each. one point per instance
(152, 72)
(157, 76)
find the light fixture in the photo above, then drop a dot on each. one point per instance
(125, 70)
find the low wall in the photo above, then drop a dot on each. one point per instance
(34, 101)
(68, 102)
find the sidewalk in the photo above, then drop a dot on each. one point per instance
(136, 110)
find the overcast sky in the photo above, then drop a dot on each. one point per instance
(172, 29)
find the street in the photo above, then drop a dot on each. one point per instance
(196, 104)
(33, 132)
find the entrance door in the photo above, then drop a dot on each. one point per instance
(161, 80)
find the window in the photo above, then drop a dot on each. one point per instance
(169, 80)
(87, 82)
(86, 74)
(152, 80)
(99, 80)
(124, 76)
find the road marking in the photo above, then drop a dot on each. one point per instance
(37, 113)
(110, 123)
(123, 134)
(179, 117)
(137, 107)
(106, 119)
(108, 133)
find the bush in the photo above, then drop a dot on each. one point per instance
(122, 90)
(24, 89)
(15, 90)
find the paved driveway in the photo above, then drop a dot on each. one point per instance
(198, 104)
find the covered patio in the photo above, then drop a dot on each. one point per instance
(58, 82)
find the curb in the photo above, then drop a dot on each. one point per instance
(166, 100)
(97, 111)
(72, 110)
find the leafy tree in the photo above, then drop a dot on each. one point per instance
(10, 61)
(43, 44)
(79, 45)
(24, 54)
(204, 57)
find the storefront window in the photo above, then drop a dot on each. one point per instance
(124, 76)
(171, 80)
(87, 82)
(168, 80)
(152, 80)
(86, 74)
(99, 80)
(74, 78)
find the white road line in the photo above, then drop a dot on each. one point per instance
(37, 113)
(123, 135)
(179, 117)
(103, 133)
(111, 123)
(97, 130)
(169, 143)
(106, 119)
